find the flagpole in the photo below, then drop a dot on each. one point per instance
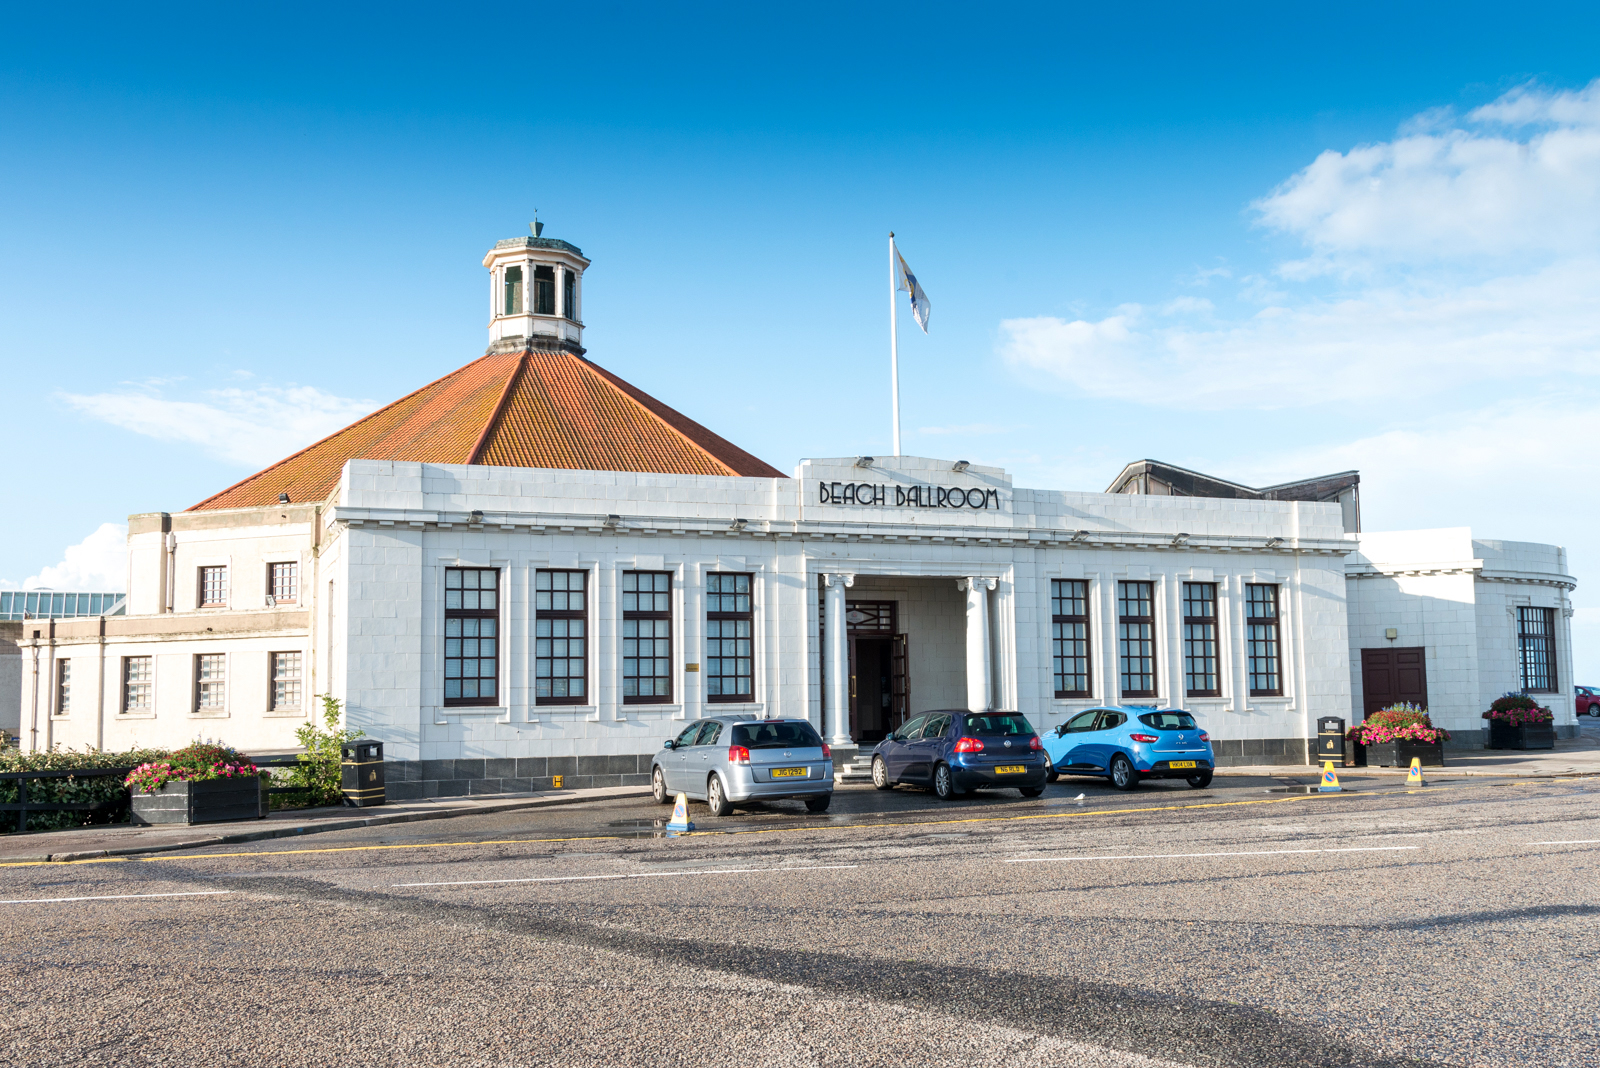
(894, 350)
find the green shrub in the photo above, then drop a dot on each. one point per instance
(71, 790)
(317, 774)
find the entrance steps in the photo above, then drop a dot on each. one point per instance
(856, 767)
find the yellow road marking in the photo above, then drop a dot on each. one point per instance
(36, 863)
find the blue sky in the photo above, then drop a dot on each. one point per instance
(1260, 242)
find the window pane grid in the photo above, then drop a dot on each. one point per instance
(285, 682)
(283, 581)
(729, 667)
(210, 682)
(63, 687)
(1200, 639)
(137, 676)
(1536, 650)
(1069, 636)
(213, 587)
(1136, 638)
(560, 638)
(471, 636)
(1261, 640)
(646, 637)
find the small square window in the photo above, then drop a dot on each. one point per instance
(213, 587)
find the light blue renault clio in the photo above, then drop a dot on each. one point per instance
(1129, 743)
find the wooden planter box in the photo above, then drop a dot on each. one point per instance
(209, 801)
(1399, 754)
(1505, 736)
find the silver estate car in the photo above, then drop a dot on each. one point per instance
(724, 760)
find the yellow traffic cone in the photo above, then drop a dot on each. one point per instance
(1330, 780)
(1414, 776)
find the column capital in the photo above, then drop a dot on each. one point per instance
(837, 579)
(977, 583)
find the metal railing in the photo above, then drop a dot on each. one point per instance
(22, 806)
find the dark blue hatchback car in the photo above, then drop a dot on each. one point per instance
(954, 751)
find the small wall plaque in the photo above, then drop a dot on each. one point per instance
(691, 667)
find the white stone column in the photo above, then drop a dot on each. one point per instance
(978, 669)
(836, 658)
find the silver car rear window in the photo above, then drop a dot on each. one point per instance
(776, 735)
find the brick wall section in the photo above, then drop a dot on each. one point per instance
(413, 780)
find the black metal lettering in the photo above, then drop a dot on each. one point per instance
(849, 493)
(878, 495)
(940, 497)
(899, 496)
(992, 495)
(824, 495)
(969, 494)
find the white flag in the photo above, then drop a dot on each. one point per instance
(907, 281)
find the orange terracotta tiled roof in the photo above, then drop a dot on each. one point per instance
(518, 409)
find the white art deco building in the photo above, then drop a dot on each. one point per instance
(530, 567)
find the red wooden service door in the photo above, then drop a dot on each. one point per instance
(1392, 675)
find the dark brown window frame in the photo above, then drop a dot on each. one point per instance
(1525, 638)
(200, 581)
(1123, 621)
(747, 616)
(1215, 638)
(1271, 623)
(1058, 618)
(543, 292)
(148, 681)
(569, 615)
(272, 581)
(494, 614)
(652, 615)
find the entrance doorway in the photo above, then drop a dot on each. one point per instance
(880, 691)
(1389, 676)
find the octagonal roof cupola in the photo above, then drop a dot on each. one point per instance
(535, 294)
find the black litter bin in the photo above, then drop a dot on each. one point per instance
(1330, 740)
(361, 776)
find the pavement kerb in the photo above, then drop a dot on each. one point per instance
(297, 830)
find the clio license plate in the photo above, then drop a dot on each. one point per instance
(1010, 769)
(1180, 764)
(790, 773)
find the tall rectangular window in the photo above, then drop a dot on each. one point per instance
(1069, 636)
(214, 587)
(283, 582)
(1536, 648)
(138, 677)
(63, 687)
(646, 637)
(730, 643)
(569, 295)
(285, 695)
(1200, 639)
(211, 682)
(471, 635)
(513, 291)
(544, 291)
(1261, 639)
(1136, 637)
(560, 638)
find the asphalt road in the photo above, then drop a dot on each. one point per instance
(1232, 926)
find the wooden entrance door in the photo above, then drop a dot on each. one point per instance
(1389, 676)
(899, 683)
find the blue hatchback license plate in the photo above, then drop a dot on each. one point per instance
(1180, 764)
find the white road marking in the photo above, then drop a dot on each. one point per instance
(1184, 856)
(111, 897)
(635, 875)
(1574, 841)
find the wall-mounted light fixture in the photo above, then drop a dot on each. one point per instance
(739, 524)
(863, 461)
(283, 498)
(1180, 539)
(1079, 535)
(1273, 543)
(612, 522)
(960, 465)
(1392, 633)
(475, 517)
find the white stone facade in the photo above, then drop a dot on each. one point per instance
(970, 577)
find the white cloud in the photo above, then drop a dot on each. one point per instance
(969, 428)
(1475, 188)
(98, 563)
(245, 426)
(1467, 252)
